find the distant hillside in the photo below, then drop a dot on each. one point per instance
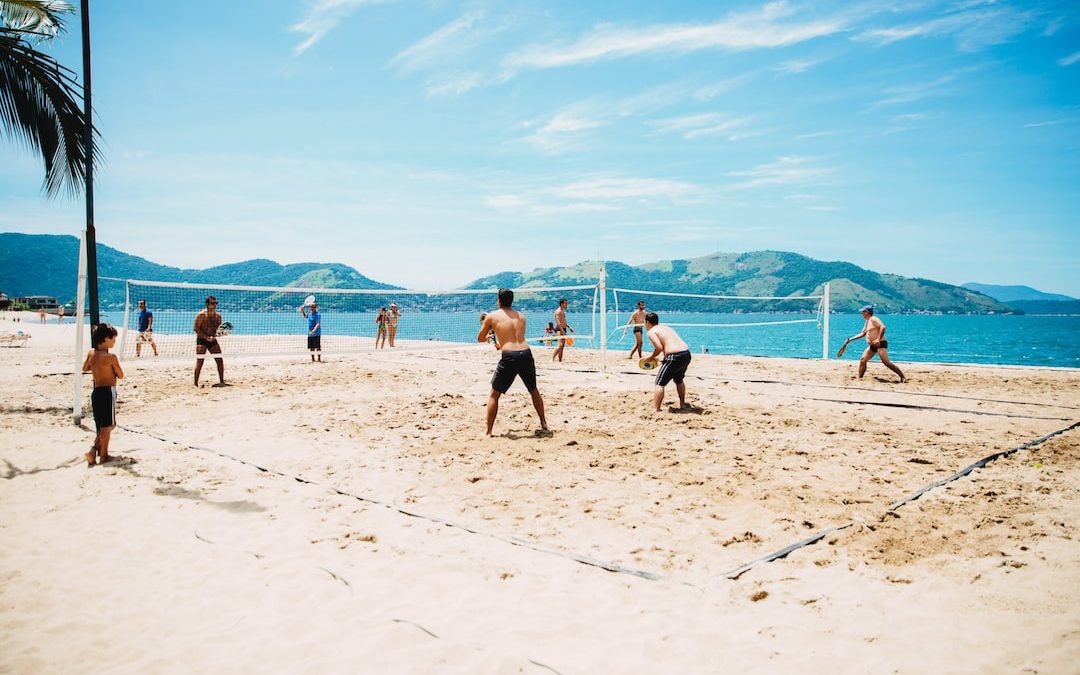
(772, 273)
(1010, 293)
(44, 264)
(1047, 306)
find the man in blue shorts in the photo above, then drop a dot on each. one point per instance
(676, 359)
(314, 336)
(516, 360)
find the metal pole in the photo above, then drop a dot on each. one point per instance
(825, 323)
(88, 148)
(76, 397)
(603, 319)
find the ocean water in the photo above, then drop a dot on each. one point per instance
(985, 339)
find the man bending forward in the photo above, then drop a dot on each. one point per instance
(516, 361)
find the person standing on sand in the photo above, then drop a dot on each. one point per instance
(106, 370)
(380, 328)
(146, 329)
(516, 360)
(874, 330)
(676, 359)
(41, 314)
(391, 322)
(637, 320)
(314, 335)
(561, 327)
(60, 314)
(207, 323)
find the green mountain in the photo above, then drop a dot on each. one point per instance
(1011, 293)
(764, 273)
(45, 264)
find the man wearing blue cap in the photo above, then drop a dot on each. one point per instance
(874, 330)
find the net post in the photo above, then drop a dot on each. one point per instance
(825, 322)
(127, 316)
(603, 319)
(80, 327)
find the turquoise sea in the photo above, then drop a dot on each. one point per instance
(985, 339)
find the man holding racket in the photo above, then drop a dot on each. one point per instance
(207, 323)
(516, 360)
(561, 327)
(637, 320)
(676, 359)
(314, 336)
(874, 331)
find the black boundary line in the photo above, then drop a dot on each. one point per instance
(912, 406)
(739, 571)
(516, 541)
(981, 463)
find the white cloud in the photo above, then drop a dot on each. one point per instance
(322, 17)
(618, 189)
(432, 48)
(796, 66)
(762, 28)
(711, 91)
(1069, 60)
(909, 93)
(706, 124)
(790, 170)
(562, 131)
(971, 29)
(453, 85)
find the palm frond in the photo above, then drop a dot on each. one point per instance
(39, 17)
(40, 103)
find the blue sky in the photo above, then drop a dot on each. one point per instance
(430, 143)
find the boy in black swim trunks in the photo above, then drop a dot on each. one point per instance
(516, 361)
(676, 359)
(637, 320)
(106, 370)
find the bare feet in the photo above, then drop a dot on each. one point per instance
(89, 459)
(222, 384)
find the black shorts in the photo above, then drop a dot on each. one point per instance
(103, 403)
(314, 342)
(211, 345)
(514, 364)
(637, 329)
(883, 344)
(673, 368)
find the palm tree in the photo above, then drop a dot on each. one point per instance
(41, 100)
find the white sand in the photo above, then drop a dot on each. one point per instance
(192, 559)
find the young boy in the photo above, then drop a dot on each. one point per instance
(106, 371)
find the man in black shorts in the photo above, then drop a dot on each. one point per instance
(207, 323)
(676, 359)
(517, 359)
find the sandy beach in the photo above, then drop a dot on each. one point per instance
(350, 516)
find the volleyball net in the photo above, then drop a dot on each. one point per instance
(259, 320)
(791, 325)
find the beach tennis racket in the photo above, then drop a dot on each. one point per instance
(647, 363)
(224, 329)
(843, 348)
(309, 301)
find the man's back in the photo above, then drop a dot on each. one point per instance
(509, 327)
(667, 339)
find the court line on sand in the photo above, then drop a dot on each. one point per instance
(612, 567)
(516, 541)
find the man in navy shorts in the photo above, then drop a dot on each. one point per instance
(676, 359)
(516, 360)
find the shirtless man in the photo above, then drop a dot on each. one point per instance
(676, 359)
(516, 361)
(874, 330)
(105, 368)
(561, 327)
(637, 320)
(207, 323)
